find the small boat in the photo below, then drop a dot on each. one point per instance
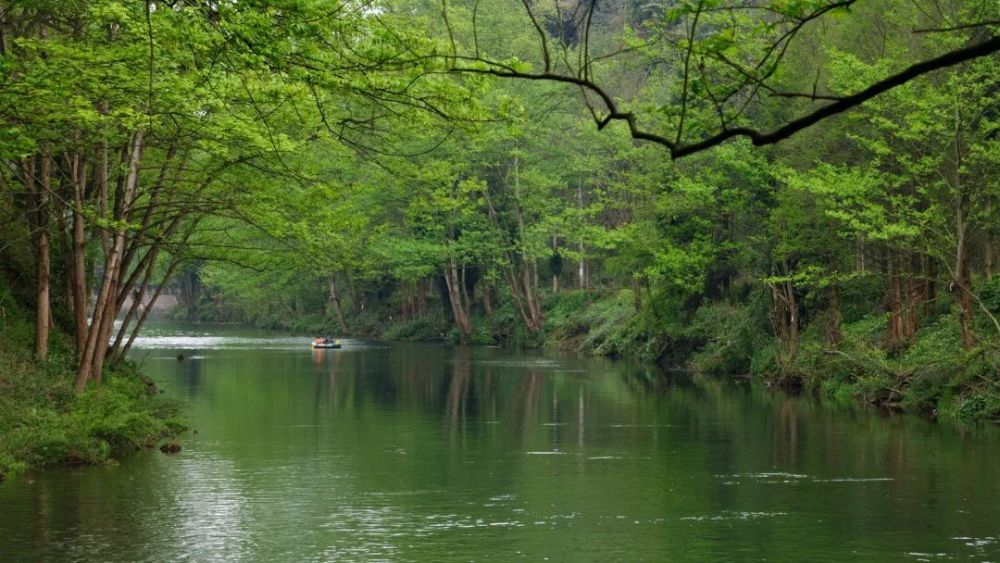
(333, 344)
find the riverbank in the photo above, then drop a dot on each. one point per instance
(44, 424)
(929, 376)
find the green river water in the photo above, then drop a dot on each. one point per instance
(424, 452)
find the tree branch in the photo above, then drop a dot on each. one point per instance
(757, 137)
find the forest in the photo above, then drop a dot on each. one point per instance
(804, 193)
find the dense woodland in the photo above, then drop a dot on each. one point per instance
(803, 191)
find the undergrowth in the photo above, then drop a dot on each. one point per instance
(43, 423)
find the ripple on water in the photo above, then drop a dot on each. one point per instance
(780, 477)
(728, 515)
(921, 556)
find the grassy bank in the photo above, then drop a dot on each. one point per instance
(930, 376)
(43, 423)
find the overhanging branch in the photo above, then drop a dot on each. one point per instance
(759, 138)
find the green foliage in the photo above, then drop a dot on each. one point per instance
(43, 423)
(616, 330)
(990, 294)
(732, 335)
(426, 328)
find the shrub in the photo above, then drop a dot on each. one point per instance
(990, 294)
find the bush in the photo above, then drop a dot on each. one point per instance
(990, 294)
(615, 328)
(730, 335)
(427, 327)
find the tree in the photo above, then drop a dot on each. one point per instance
(723, 62)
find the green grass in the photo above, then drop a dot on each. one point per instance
(43, 423)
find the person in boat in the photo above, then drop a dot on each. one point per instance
(327, 340)
(317, 340)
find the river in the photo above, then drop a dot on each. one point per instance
(429, 452)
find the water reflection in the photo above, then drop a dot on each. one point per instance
(427, 452)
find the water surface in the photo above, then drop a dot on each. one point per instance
(423, 452)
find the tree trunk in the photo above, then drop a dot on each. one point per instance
(786, 321)
(101, 180)
(930, 284)
(834, 334)
(793, 323)
(3, 29)
(335, 301)
(464, 293)
(555, 275)
(962, 274)
(962, 284)
(582, 268)
(531, 298)
(42, 255)
(893, 303)
(421, 297)
(487, 300)
(92, 363)
(452, 281)
(78, 259)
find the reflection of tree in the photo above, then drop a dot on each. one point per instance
(528, 394)
(331, 386)
(332, 367)
(650, 381)
(487, 392)
(416, 384)
(191, 374)
(788, 432)
(458, 389)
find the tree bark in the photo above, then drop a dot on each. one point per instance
(582, 267)
(92, 363)
(335, 301)
(786, 321)
(487, 300)
(962, 284)
(962, 274)
(834, 334)
(452, 282)
(421, 298)
(37, 180)
(78, 258)
(793, 324)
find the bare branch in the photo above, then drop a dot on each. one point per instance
(757, 137)
(959, 27)
(541, 35)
